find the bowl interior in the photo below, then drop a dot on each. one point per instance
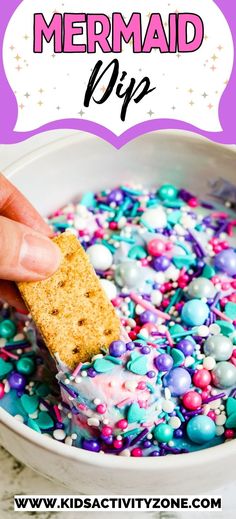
(62, 171)
(59, 172)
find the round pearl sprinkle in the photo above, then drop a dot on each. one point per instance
(186, 346)
(17, 381)
(225, 261)
(100, 257)
(156, 247)
(202, 378)
(128, 274)
(168, 192)
(178, 381)
(195, 312)
(154, 218)
(201, 287)
(224, 375)
(117, 348)
(192, 400)
(163, 433)
(219, 347)
(7, 329)
(161, 263)
(201, 429)
(164, 362)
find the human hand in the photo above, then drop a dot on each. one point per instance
(26, 251)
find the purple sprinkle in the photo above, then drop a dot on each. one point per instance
(69, 390)
(139, 437)
(233, 392)
(212, 398)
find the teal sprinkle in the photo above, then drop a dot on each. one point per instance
(122, 209)
(88, 200)
(174, 204)
(62, 225)
(179, 414)
(114, 359)
(130, 191)
(182, 246)
(175, 299)
(131, 307)
(103, 365)
(150, 387)
(130, 433)
(109, 246)
(137, 252)
(162, 415)
(138, 365)
(159, 378)
(150, 229)
(117, 237)
(134, 209)
(135, 413)
(182, 334)
(174, 217)
(153, 203)
(140, 336)
(33, 425)
(105, 207)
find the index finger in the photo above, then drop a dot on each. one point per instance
(15, 206)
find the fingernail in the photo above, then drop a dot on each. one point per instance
(39, 255)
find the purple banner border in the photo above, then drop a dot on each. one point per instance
(9, 109)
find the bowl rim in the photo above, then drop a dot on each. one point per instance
(47, 443)
(77, 454)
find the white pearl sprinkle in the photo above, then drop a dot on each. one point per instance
(59, 434)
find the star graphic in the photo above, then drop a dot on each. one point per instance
(173, 108)
(213, 68)
(21, 106)
(27, 95)
(17, 57)
(191, 91)
(41, 91)
(150, 113)
(214, 57)
(18, 68)
(40, 103)
(58, 108)
(81, 113)
(220, 47)
(210, 106)
(26, 37)
(12, 47)
(204, 95)
(191, 102)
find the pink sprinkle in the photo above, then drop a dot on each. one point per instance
(124, 402)
(77, 370)
(82, 407)
(169, 338)
(161, 420)
(10, 355)
(221, 315)
(148, 306)
(57, 413)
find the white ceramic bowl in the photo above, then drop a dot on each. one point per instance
(52, 176)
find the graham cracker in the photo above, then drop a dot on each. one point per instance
(71, 310)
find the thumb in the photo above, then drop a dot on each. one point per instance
(25, 254)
